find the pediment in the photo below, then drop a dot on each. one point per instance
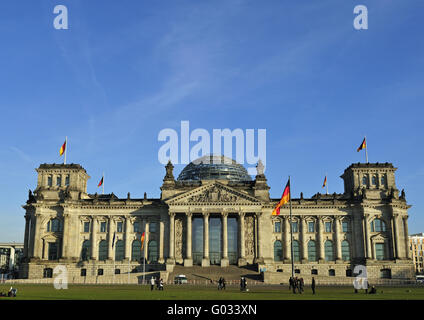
(379, 237)
(215, 193)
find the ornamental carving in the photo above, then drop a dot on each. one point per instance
(214, 194)
(249, 236)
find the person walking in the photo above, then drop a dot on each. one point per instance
(313, 285)
(161, 284)
(223, 283)
(152, 283)
(290, 283)
(301, 285)
(220, 283)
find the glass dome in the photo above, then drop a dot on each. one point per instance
(213, 167)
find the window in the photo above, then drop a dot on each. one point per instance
(136, 226)
(383, 180)
(152, 227)
(345, 251)
(312, 250)
(103, 226)
(297, 271)
(152, 251)
(48, 273)
(54, 225)
(327, 226)
(53, 252)
(329, 251)
(379, 251)
(331, 272)
(277, 226)
(278, 251)
(86, 250)
(83, 272)
(119, 250)
(374, 180)
(314, 271)
(49, 181)
(378, 225)
(311, 226)
(67, 181)
(103, 250)
(295, 227)
(345, 226)
(296, 251)
(119, 227)
(136, 250)
(117, 271)
(364, 180)
(349, 273)
(385, 274)
(86, 226)
(99, 272)
(58, 181)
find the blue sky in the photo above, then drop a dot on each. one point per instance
(125, 70)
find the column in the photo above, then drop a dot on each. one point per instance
(146, 239)
(287, 249)
(65, 234)
(303, 237)
(224, 260)
(321, 255)
(395, 235)
(38, 242)
(12, 258)
(161, 242)
(26, 237)
(338, 239)
(188, 261)
(205, 260)
(127, 238)
(405, 233)
(171, 259)
(110, 250)
(94, 229)
(242, 258)
(366, 226)
(258, 258)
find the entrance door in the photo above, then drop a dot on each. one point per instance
(215, 240)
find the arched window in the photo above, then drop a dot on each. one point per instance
(312, 250)
(119, 250)
(296, 250)
(374, 180)
(364, 180)
(383, 180)
(378, 225)
(86, 250)
(278, 251)
(345, 251)
(152, 251)
(136, 250)
(54, 225)
(103, 250)
(329, 251)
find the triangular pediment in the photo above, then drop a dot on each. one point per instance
(214, 193)
(379, 237)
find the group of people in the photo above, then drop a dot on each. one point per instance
(221, 283)
(298, 285)
(11, 293)
(156, 282)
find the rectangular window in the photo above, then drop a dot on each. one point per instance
(327, 226)
(379, 251)
(295, 227)
(119, 227)
(152, 227)
(87, 226)
(136, 226)
(52, 251)
(345, 226)
(83, 272)
(103, 227)
(59, 181)
(67, 181)
(100, 272)
(49, 181)
(277, 226)
(311, 226)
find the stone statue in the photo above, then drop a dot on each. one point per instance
(260, 168)
(169, 171)
(145, 196)
(301, 196)
(402, 194)
(128, 196)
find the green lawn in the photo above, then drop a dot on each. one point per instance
(189, 292)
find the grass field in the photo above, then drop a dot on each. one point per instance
(190, 292)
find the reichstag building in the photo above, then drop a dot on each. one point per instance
(214, 213)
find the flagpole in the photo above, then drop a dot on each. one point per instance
(291, 231)
(103, 184)
(366, 149)
(66, 148)
(326, 183)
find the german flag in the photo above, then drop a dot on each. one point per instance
(325, 182)
(363, 145)
(100, 183)
(62, 149)
(284, 199)
(142, 241)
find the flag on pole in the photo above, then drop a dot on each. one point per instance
(325, 182)
(363, 145)
(113, 240)
(63, 148)
(284, 199)
(101, 182)
(142, 241)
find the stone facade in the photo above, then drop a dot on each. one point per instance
(365, 225)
